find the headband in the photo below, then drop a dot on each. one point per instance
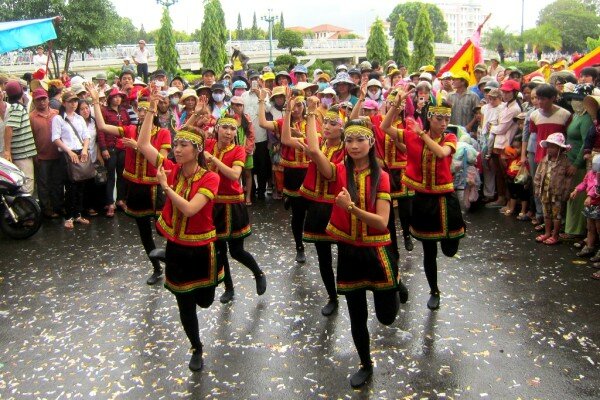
(195, 138)
(334, 116)
(441, 111)
(144, 104)
(358, 130)
(227, 121)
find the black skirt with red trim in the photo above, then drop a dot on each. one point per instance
(144, 200)
(191, 267)
(365, 268)
(317, 218)
(292, 180)
(397, 188)
(231, 220)
(436, 217)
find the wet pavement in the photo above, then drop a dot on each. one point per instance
(77, 321)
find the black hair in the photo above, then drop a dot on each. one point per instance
(589, 71)
(546, 91)
(531, 85)
(127, 72)
(374, 75)
(78, 110)
(53, 91)
(14, 99)
(244, 123)
(375, 64)
(373, 166)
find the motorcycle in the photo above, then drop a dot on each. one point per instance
(20, 213)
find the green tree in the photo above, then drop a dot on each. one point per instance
(127, 33)
(214, 36)
(401, 55)
(542, 38)
(240, 30)
(497, 35)
(142, 34)
(574, 20)
(592, 43)
(278, 27)
(255, 33)
(167, 56)
(423, 43)
(410, 12)
(196, 36)
(377, 46)
(290, 40)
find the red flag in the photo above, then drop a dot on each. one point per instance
(467, 56)
(591, 58)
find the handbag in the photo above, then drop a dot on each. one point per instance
(522, 177)
(101, 174)
(81, 171)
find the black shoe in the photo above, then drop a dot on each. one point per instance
(157, 254)
(155, 277)
(408, 243)
(300, 256)
(361, 376)
(287, 203)
(434, 301)
(330, 307)
(402, 292)
(196, 362)
(227, 296)
(261, 284)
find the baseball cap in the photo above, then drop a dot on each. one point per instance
(39, 93)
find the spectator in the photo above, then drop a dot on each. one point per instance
(49, 169)
(127, 66)
(140, 58)
(239, 61)
(19, 145)
(462, 100)
(40, 60)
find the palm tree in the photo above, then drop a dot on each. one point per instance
(500, 36)
(543, 37)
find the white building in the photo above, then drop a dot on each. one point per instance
(462, 17)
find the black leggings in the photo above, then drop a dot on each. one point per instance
(449, 248)
(298, 215)
(404, 212)
(326, 267)
(144, 225)
(236, 249)
(387, 304)
(187, 311)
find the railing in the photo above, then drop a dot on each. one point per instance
(193, 48)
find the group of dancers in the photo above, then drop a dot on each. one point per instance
(340, 177)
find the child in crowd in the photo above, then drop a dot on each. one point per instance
(552, 185)
(591, 209)
(519, 189)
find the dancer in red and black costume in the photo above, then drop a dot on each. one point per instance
(318, 193)
(144, 198)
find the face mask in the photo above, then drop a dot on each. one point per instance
(376, 95)
(174, 102)
(327, 101)
(218, 97)
(225, 82)
(323, 86)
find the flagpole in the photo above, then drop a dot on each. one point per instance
(522, 49)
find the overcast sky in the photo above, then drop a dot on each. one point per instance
(187, 15)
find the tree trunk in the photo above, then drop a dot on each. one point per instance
(54, 59)
(539, 55)
(68, 54)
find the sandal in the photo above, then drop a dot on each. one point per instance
(540, 227)
(596, 275)
(542, 238)
(535, 221)
(580, 245)
(585, 252)
(596, 258)
(596, 265)
(91, 212)
(568, 236)
(69, 223)
(523, 217)
(551, 241)
(507, 212)
(111, 211)
(82, 221)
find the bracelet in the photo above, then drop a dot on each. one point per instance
(261, 101)
(151, 111)
(350, 207)
(96, 103)
(421, 133)
(312, 113)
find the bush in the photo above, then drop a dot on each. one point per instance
(526, 67)
(192, 78)
(326, 66)
(299, 53)
(111, 72)
(286, 59)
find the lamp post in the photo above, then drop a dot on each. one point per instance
(522, 49)
(166, 3)
(270, 19)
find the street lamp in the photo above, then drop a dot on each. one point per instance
(166, 3)
(522, 49)
(270, 19)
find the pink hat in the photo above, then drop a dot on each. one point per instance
(370, 105)
(557, 139)
(39, 93)
(237, 100)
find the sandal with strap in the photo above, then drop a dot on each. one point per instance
(551, 241)
(542, 238)
(523, 217)
(110, 212)
(540, 227)
(69, 223)
(596, 275)
(82, 221)
(585, 252)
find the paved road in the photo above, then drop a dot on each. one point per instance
(517, 320)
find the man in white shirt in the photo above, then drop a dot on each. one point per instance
(140, 57)
(40, 59)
